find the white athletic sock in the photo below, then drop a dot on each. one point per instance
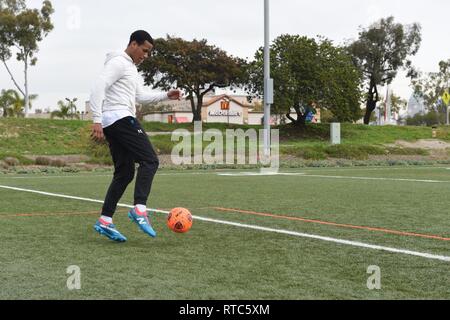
(106, 219)
(141, 208)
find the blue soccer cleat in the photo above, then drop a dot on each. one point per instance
(109, 230)
(141, 219)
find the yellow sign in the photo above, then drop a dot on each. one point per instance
(446, 97)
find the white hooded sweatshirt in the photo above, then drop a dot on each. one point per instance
(116, 91)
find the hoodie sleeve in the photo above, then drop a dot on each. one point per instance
(113, 71)
(145, 97)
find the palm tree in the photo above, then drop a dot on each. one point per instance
(72, 108)
(6, 100)
(63, 111)
(12, 103)
(66, 110)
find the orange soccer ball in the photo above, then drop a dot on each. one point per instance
(179, 220)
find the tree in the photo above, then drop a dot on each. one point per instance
(193, 66)
(13, 104)
(381, 51)
(66, 110)
(397, 103)
(22, 28)
(432, 86)
(72, 105)
(6, 101)
(309, 74)
(429, 119)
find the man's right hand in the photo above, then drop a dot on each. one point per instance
(97, 132)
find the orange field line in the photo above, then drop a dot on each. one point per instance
(401, 233)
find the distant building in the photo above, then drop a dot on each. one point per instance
(233, 109)
(88, 113)
(46, 115)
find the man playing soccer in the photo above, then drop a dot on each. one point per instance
(112, 101)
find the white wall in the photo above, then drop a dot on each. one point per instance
(164, 117)
(156, 117)
(255, 118)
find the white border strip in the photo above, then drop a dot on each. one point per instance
(71, 197)
(374, 178)
(249, 174)
(259, 228)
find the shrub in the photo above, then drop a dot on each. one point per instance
(429, 119)
(70, 169)
(42, 161)
(58, 163)
(407, 151)
(10, 161)
(3, 165)
(319, 164)
(360, 152)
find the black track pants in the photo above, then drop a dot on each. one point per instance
(129, 144)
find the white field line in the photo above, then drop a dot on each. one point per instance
(375, 178)
(247, 174)
(373, 168)
(71, 197)
(252, 174)
(256, 174)
(259, 228)
(305, 171)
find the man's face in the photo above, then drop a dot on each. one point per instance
(140, 52)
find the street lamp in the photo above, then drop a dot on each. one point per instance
(268, 82)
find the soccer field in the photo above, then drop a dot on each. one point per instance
(301, 234)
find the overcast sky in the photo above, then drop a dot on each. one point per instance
(73, 54)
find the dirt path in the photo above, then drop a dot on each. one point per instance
(429, 144)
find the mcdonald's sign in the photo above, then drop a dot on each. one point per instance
(225, 105)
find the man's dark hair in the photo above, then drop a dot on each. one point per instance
(140, 37)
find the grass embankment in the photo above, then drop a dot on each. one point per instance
(24, 138)
(358, 141)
